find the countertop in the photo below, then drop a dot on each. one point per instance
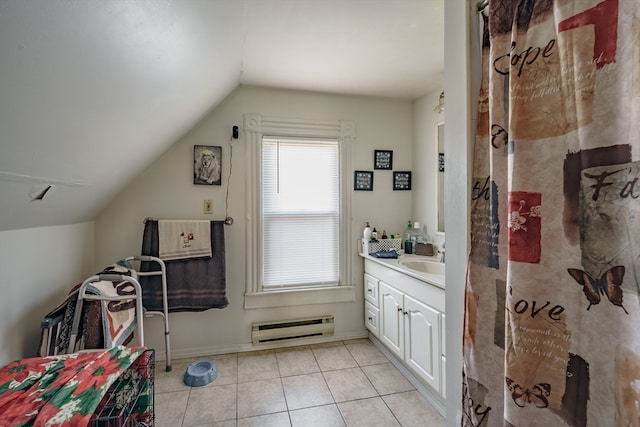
(394, 263)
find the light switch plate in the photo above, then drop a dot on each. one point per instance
(208, 207)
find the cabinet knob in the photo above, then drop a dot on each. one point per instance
(400, 309)
(370, 319)
(370, 291)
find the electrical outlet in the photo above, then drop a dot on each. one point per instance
(208, 206)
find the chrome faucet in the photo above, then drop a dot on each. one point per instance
(442, 253)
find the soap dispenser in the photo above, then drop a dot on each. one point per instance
(374, 235)
(408, 247)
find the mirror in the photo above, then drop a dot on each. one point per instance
(440, 176)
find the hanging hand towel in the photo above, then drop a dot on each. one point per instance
(193, 284)
(184, 239)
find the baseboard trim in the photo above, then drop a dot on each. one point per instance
(177, 354)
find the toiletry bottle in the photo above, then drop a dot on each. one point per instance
(416, 236)
(384, 234)
(417, 232)
(366, 234)
(374, 235)
(408, 247)
(366, 238)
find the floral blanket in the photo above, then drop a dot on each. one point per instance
(61, 390)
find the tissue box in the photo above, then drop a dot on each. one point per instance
(425, 249)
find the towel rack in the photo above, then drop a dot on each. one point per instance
(227, 221)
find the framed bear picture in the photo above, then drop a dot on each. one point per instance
(207, 165)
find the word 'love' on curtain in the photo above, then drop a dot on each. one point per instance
(552, 309)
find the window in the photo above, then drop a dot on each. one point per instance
(299, 210)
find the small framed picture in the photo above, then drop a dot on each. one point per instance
(402, 180)
(207, 161)
(383, 159)
(363, 180)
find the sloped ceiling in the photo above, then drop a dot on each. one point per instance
(92, 91)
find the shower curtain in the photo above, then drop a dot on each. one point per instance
(552, 309)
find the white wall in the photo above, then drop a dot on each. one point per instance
(38, 267)
(425, 162)
(165, 191)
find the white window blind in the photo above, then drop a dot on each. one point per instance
(300, 212)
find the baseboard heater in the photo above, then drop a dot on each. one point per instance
(262, 332)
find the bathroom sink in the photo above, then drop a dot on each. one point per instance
(424, 266)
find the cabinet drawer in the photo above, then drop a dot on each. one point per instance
(371, 289)
(371, 318)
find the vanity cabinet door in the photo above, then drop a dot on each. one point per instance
(422, 332)
(392, 319)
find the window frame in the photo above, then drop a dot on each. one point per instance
(255, 127)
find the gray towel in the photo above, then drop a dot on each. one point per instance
(192, 284)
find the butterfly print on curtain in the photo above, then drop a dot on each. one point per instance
(536, 395)
(607, 284)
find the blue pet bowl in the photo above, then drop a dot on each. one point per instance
(200, 373)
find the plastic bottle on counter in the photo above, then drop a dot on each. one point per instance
(366, 238)
(417, 233)
(366, 234)
(408, 246)
(374, 235)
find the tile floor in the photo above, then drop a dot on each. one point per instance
(344, 383)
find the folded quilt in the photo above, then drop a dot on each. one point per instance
(184, 239)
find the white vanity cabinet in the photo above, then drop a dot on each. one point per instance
(410, 316)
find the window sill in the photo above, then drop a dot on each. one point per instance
(289, 298)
